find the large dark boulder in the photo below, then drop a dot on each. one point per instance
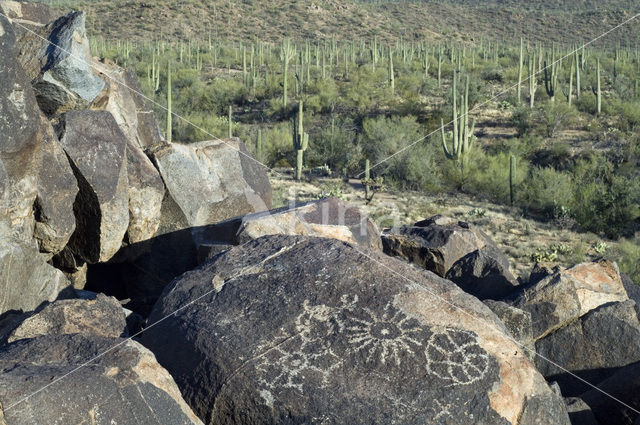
(484, 273)
(329, 218)
(592, 347)
(568, 294)
(617, 399)
(124, 385)
(20, 135)
(26, 280)
(436, 243)
(57, 59)
(296, 330)
(57, 191)
(96, 149)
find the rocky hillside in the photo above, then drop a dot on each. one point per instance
(542, 21)
(150, 282)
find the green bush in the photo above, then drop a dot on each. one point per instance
(545, 189)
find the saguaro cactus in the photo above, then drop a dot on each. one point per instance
(551, 78)
(598, 89)
(462, 133)
(512, 179)
(169, 123)
(520, 65)
(230, 120)
(392, 81)
(533, 81)
(300, 141)
(286, 53)
(259, 145)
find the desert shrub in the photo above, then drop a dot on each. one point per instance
(552, 116)
(492, 176)
(522, 120)
(546, 189)
(627, 256)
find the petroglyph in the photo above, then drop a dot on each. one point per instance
(455, 357)
(326, 336)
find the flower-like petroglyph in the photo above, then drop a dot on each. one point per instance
(455, 356)
(387, 337)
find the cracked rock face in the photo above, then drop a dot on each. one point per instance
(26, 280)
(293, 329)
(20, 153)
(96, 149)
(61, 75)
(212, 181)
(125, 386)
(102, 316)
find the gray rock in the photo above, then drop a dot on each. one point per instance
(579, 412)
(20, 153)
(590, 347)
(61, 76)
(622, 387)
(146, 192)
(434, 244)
(102, 316)
(518, 323)
(484, 273)
(329, 218)
(97, 150)
(124, 386)
(57, 191)
(124, 99)
(212, 181)
(633, 290)
(26, 280)
(285, 329)
(28, 13)
(569, 294)
(541, 271)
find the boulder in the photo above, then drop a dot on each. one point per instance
(97, 151)
(102, 316)
(541, 271)
(436, 243)
(579, 412)
(569, 294)
(123, 386)
(146, 192)
(617, 399)
(28, 13)
(329, 218)
(57, 191)
(123, 97)
(20, 153)
(484, 273)
(590, 347)
(518, 323)
(212, 181)
(207, 251)
(57, 59)
(294, 329)
(633, 290)
(26, 280)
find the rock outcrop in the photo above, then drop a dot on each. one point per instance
(211, 181)
(97, 150)
(26, 280)
(102, 316)
(124, 386)
(57, 191)
(329, 218)
(20, 153)
(518, 323)
(455, 250)
(285, 329)
(57, 60)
